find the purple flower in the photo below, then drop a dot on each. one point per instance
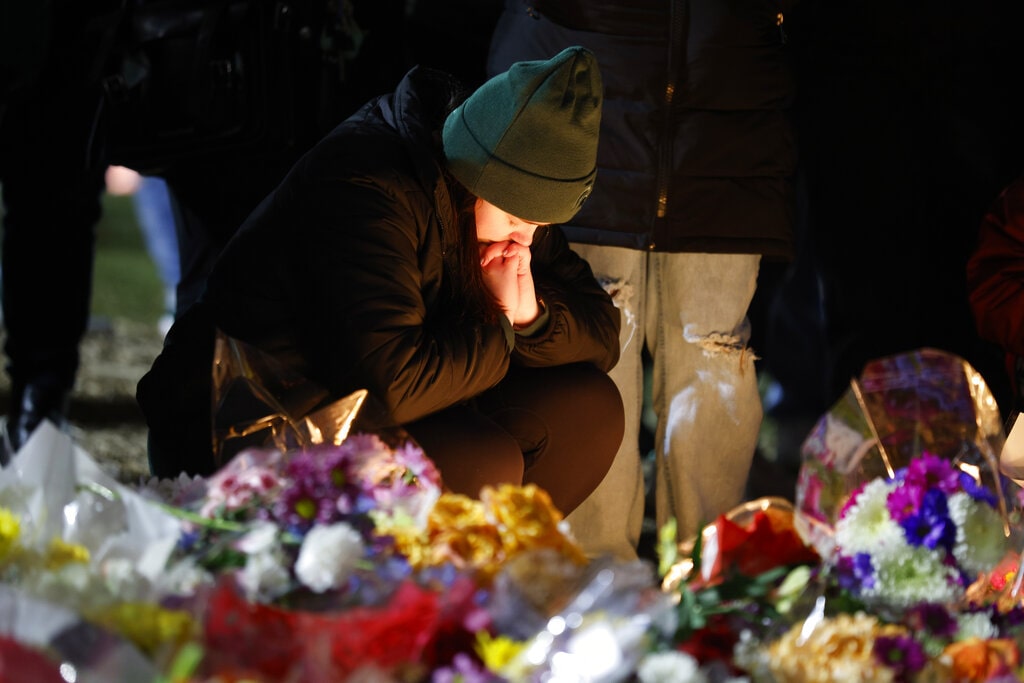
(976, 490)
(902, 654)
(931, 525)
(932, 472)
(304, 502)
(464, 669)
(855, 573)
(933, 619)
(903, 501)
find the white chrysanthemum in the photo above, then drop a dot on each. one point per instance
(911, 576)
(866, 526)
(264, 577)
(669, 667)
(980, 542)
(975, 625)
(328, 555)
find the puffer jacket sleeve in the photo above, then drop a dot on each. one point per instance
(584, 323)
(373, 326)
(995, 272)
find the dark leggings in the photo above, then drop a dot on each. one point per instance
(556, 427)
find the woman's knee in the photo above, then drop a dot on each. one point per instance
(596, 407)
(468, 451)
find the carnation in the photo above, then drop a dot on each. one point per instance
(328, 556)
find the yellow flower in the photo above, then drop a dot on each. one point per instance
(839, 649)
(147, 625)
(10, 532)
(527, 519)
(61, 553)
(482, 535)
(496, 653)
(458, 532)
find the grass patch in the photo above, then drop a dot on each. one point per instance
(125, 280)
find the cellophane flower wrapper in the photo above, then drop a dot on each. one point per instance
(592, 623)
(901, 407)
(257, 402)
(82, 559)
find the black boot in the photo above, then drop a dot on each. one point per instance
(30, 405)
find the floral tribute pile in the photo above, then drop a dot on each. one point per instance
(349, 562)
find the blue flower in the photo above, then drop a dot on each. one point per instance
(931, 525)
(976, 490)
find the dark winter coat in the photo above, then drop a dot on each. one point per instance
(697, 151)
(342, 273)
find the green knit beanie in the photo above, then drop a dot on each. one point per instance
(526, 140)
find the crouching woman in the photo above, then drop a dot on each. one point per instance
(415, 252)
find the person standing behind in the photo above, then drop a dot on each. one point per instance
(694, 186)
(52, 175)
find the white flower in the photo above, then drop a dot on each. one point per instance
(975, 625)
(261, 538)
(867, 526)
(980, 541)
(912, 575)
(328, 555)
(669, 667)
(264, 576)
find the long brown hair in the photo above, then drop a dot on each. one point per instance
(474, 301)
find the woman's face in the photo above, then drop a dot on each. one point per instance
(494, 225)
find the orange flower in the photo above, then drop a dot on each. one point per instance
(975, 659)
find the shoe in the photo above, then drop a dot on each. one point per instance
(30, 406)
(7, 449)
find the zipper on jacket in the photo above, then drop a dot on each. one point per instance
(676, 57)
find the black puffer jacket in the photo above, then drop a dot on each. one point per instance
(341, 272)
(697, 150)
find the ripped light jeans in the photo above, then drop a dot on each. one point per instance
(691, 311)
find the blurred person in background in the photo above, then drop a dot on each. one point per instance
(995, 283)
(151, 202)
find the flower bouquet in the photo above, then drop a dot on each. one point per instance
(922, 536)
(901, 493)
(900, 407)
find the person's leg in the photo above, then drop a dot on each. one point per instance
(469, 450)
(704, 383)
(152, 203)
(567, 421)
(52, 202)
(610, 520)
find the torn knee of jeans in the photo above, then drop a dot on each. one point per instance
(719, 343)
(618, 289)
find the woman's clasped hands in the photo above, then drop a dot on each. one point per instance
(507, 274)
